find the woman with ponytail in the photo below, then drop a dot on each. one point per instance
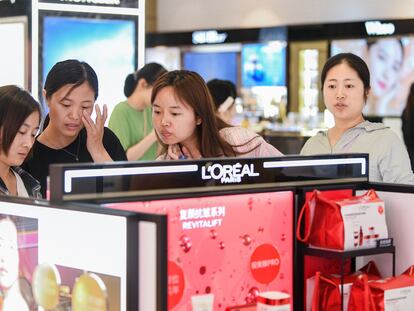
(131, 119)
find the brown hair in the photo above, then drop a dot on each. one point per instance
(190, 88)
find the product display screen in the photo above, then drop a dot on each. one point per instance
(224, 250)
(264, 64)
(212, 65)
(13, 53)
(169, 57)
(52, 258)
(391, 64)
(108, 45)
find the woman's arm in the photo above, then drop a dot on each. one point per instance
(394, 163)
(138, 150)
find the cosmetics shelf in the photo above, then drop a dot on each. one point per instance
(343, 255)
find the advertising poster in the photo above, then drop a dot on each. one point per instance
(264, 64)
(12, 55)
(18, 259)
(224, 250)
(55, 260)
(391, 64)
(108, 45)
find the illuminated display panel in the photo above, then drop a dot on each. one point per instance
(13, 53)
(169, 57)
(391, 64)
(226, 247)
(66, 250)
(264, 64)
(211, 65)
(108, 45)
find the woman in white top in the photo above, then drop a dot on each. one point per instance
(346, 84)
(19, 120)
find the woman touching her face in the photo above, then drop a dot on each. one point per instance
(187, 126)
(70, 91)
(176, 123)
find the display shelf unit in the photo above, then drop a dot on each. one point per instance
(343, 255)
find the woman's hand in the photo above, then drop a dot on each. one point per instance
(95, 132)
(174, 152)
(177, 152)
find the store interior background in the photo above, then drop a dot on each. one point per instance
(290, 116)
(188, 15)
(286, 108)
(167, 16)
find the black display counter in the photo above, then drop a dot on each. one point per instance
(220, 230)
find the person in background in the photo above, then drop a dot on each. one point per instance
(131, 119)
(12, 298)
(345, 85)
(70, 91)
(20, 120)
(224, 94)
(187, 126)
(408, 124)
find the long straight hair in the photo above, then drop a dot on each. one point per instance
(191, 89)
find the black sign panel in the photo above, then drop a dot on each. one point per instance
(123, 179)
(107, 3)
(15, 8)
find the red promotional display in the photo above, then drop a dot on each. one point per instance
(324, 290)
(225, 250)
(391, 294)
(351, 223)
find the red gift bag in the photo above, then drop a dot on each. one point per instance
(409, 271)
(361, 296)
(391, 294)
(327, 294)
(332, 224)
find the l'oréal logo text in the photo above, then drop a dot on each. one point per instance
(228, 173)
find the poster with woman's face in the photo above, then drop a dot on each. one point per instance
(391, 64)
(57, 259)
(18, 258)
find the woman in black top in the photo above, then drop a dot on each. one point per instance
(70, 90)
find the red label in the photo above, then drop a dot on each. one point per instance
(265, 263)
(175, 284)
